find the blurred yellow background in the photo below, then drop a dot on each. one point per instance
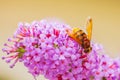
(106, 24)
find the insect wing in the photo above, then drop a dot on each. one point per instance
(89, 28)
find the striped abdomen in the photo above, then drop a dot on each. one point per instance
(82, 39)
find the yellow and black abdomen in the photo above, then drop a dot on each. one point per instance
(86, 45)
(82, 39)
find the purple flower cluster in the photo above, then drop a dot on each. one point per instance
(46, 49)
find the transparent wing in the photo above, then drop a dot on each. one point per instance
(89, 28)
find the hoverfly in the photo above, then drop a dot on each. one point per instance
(81, 37)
